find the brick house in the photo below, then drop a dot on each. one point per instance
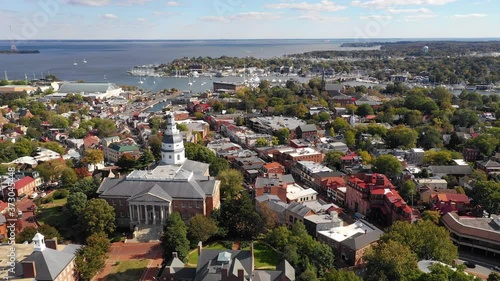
(22, 187)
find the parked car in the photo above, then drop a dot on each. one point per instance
(33, 195)
(43, 194)
(497, 268)
(469, 264)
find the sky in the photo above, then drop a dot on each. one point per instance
(248, 19)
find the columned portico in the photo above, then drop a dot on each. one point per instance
(148, 213)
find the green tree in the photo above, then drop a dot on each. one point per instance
(105, 127)
(433, 216)
(283, 135)
(92, 157)
(323, 116)
(485, 143)
(145, 160)
(401, 137)
(364, 110)
(201, 228)
(427, 240)
(429, 137)
(68, 177)
(174, 238)
(388, 165)
(77, 202)
(391, 261)
(155, 147)
(440, 157)
(341, 275)
(487, 194)
(231, 183)
(339, 124)
(408, 191)
(261, 142)
(126, 162)
(29, 232)
(182, 127)
(308, 275)
(493, 277)
(98, 217)
(87, 186)
(59, 121)
(247, 225)
(464, 118)
(91, 258)
(350, 138)
(333, 159)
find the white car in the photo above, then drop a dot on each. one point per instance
(33, 195)
(497, 268)
(43, 194)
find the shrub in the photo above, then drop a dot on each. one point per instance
(60, 194)
(227, 244)
(47, 200)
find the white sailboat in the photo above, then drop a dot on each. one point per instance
(84, 61)
(140, 80)
(75, 63)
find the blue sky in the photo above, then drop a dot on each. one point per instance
(248, 19)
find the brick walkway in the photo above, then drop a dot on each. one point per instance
(123, 252)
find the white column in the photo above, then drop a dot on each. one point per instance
(146, 212)
(154, 214)
(138, 211)
(162, 215)
(130, 214)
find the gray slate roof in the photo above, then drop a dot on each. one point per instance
(298, 209)
(361, 240)
(207, 269)
(308, 128)
(451, 170)
(50, 263)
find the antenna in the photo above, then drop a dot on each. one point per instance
(13, 47)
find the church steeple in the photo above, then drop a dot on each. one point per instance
(172, 150)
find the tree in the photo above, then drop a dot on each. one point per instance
(339, 124)
(59, 121)
(247, 225)
(182, 127)
(268, 215)
(493, 277)
(401, 137)
(429, 137)
(333, 159)
(341, 275)
(231, 183)
(174, 238)
(364, 110)
(126, 162)
(93, 157)
(388, 165)
(283, 135)
(261, 142)
(432, 216)
(440, 157)
(87, 186)
(29, 232)
(145, 160)
(51, 170)
(201, 228)
(485, 143)
(323, 116)
(155, 147)
(68, 177)
(487, 194)
(366, 156)
(54, 146)
(91, 258)
(77, 202)
(308, 275)
(350, 138)
(408, 191)
(391, 261)
(98, 217)
(464, 118)
(105, 127)
(427, 240)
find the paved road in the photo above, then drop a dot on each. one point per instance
(483, 266)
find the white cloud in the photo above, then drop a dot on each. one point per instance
(99, 3)
(319, 18)
(323, 6)
(109, 16)
(380, 4)
(214, 19)
(376, 17)
(164, 13)
(469, 16)
(173, 4)
(142, 20)
(409, 11)
(419, 17)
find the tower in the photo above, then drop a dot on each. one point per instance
(39, 241)
(172, 148)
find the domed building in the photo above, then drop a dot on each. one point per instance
(176, 185)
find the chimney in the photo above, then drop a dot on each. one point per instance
(51, 243)
(200, 247)
(224, 274)
(241, 275)
(174, 255)
(29, 269)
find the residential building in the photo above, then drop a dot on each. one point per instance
(470, 154)
(481, 235)
(434, 183)
(21, 187)
(375, 194)
(306, 131)
(116, 150)
(449, 202)
(349, 243)
(42, 260)
(296, 212)
(270, 124)
(273, 168)
(490, 167)
(289, 156)
(177, 185)
(296, 193)
(415, 156)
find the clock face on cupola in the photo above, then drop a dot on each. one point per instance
(172, 151)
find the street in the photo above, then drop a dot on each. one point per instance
(484, 266)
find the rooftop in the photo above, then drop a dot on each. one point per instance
(313, 167)
(295, 191)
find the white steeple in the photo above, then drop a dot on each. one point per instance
(39, 241)
(172, 150)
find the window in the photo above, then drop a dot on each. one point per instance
(178, 157)
(198, 204)
(170, 157)
(183, 205)
(120, 202)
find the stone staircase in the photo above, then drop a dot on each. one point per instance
(146, 234)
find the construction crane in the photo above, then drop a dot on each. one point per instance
(13, 47)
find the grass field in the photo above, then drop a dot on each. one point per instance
(53, 215)
(192, 257)
(130, 270)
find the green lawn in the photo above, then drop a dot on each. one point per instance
(192, 257)
(56, 217)
(130, 270)
(265, 257)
